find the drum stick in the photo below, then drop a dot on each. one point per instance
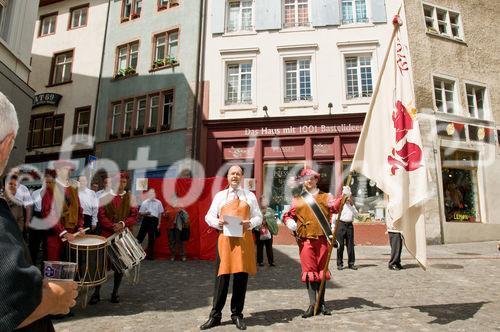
(80, 232)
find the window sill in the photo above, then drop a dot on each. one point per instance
(356, 25)
(239, 33)
(76, 28)
(294, 105)
(153, 69)
(296, 29)
(238, 107)
(357, 101)
(58, 84)
(129, 19)
(123, 77)
(446, 37)
(47, 35)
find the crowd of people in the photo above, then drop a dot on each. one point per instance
(35, 227)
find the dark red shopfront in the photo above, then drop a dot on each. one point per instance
(270, 149)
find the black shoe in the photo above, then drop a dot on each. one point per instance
(94, 299)
(272, 264)
(393, 267)
(261, 264)
(211, 322)
(325, 311)
(115, 298)
(340, 267)
(399, 266)
(353, 267)
(309, 312)
(239, 322)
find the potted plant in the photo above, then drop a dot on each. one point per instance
(151, 130)
(138, 131)
(125, 133)
(165, 127)
(113, 136)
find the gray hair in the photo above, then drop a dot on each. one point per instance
(8, 118)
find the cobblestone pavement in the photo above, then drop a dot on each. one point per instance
(460, 291)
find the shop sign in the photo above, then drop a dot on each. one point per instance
(462, 216)
(286, 148)
(235, 152)
(481, 134)
(303, 130)
(451, 130)
(322, 149)
(43, 99)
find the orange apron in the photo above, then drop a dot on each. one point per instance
(237, 254)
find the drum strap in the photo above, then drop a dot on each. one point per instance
(320, 216)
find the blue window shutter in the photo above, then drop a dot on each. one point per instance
(379, 14)
(267, 14)
(218, 15)
(325, 12)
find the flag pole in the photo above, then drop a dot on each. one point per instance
(396, 24)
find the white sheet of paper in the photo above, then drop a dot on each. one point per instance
(233, 227)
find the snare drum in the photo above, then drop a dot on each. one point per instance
(89, 252)
(124, 250)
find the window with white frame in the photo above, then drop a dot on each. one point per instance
(115, 119)
(444, 95)
(127, 56)
(78, 17)
(47, 24)
(82, 123)
(239, 15)
(61, 69)
(131, 9)
(168, 109)
(296, 13)
(298, 80)
(153, 111)
(127, 120)
(476, 101)
(359, 80)
(239, 83)
(165, 4)
(141, 114)
(354, 11)
(443, 21)
(166, 47)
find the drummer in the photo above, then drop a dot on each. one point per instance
(117, 211)
(89, 202)
(62, 210)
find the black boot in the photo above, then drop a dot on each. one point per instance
(96, 297)
(311, 292)
(309, 312)
(211, 322)
(116, 285)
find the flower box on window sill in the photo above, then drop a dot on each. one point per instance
(113, 136)
(125, 73)
(125, 134)
(135, 15)
(169, 62)
(165, 127)
(138, 131)
(150, 130)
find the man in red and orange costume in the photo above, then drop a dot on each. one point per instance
(313, 245)
(61, 208)
(117, 211)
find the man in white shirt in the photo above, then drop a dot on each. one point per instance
(235, 255)
(88, 202)
(151, 211)
(345, 232)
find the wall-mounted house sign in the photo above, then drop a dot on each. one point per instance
(43, 99)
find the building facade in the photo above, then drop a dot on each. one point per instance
(66, 60)
(457, 84)
(17, 21)
(288, 83)
(149, 82)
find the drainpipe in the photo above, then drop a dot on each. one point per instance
(199, 95)
(100, 72)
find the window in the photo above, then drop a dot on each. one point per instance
(354, 11)
(298, 80)
(168, 108)
(296, 13)
(47, 24)
(82, 123)
(46, 130)
(153, 112)
(165, 4)
(444, 95)
(239, 83)
(141, 113)
(127, 121)
(115, 118)
(358, 76)
(239, 16)
(131, 9)
(475, 101)
(61, 68)
(443, 21)
(127, 58)
(166, 49)
(78, 17)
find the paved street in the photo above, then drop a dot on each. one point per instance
(460, 291)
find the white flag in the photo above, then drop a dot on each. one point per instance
(390, 151)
